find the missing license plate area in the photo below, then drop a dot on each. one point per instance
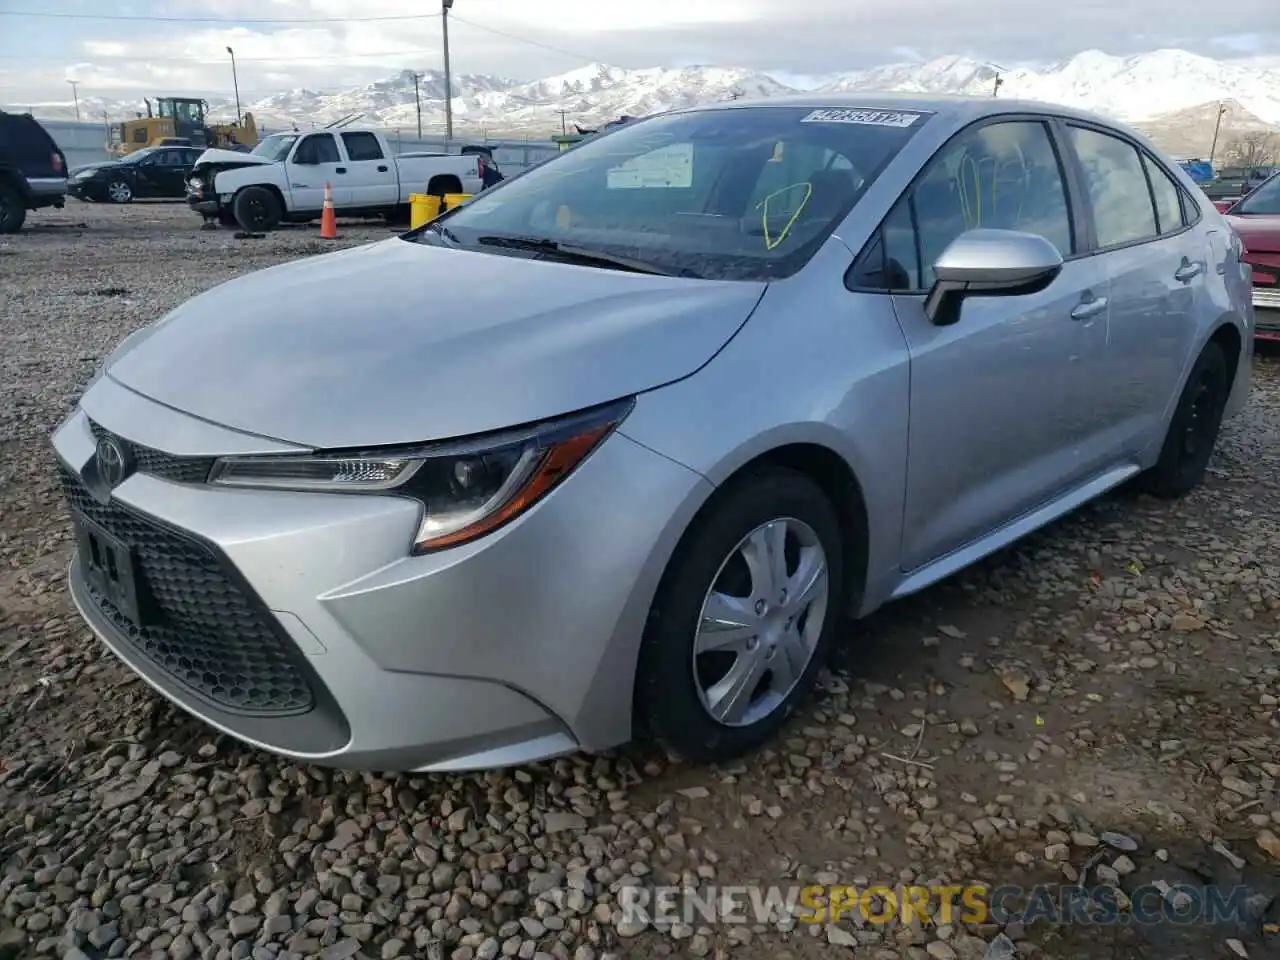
(109, 567)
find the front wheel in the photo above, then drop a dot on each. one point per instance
(257, 209)
(119, 192)
(743, 618)
(1193, 431)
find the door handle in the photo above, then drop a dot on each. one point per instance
(382, 169)
(1089, 308)
(1188, 271)
(340, 170)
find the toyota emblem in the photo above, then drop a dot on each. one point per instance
(113, 461)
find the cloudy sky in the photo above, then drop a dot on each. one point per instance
(115, 48)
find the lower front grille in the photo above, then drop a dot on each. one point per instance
(203, 629)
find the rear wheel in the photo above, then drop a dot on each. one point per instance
(119, 192)
(1193, 431)
(13, 212)
(257, 209)
(743, 618)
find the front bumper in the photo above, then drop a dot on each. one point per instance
(297, 622)
(85, 189)
(206, 208)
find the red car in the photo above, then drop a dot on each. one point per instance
(1256, 218)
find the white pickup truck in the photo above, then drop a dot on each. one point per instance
(283, 178)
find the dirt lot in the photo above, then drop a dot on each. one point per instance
(1102, 698)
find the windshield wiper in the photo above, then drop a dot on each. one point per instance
(574, 254)
(435, 226)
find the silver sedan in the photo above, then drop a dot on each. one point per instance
(617, 447)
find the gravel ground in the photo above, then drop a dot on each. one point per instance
(1100, 699)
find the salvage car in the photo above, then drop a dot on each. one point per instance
(33, 170)
(1256, 219)
(156, 172)
(284, 179)
(616, 447)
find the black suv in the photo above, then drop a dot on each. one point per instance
(33, 171)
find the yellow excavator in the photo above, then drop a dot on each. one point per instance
(180, 121)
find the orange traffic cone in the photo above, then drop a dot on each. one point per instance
(328, 219)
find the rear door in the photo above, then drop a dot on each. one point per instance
(1156, 267)
(315, 161)
(371, 176)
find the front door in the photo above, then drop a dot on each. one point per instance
(315, 161)
(997, 425)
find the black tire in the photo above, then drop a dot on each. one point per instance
(1193, 431)
(13, 212)
(119, 192)
(668, 705)
(257, 209)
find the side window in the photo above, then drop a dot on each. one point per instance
(1167, 196)
(317, 148)
(1001, 175)
(362, 146)
(1117, 187)
(891, 261)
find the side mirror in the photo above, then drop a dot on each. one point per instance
(989, 263)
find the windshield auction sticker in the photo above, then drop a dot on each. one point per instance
(874, 118)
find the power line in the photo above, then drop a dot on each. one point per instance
(239, 20)
(214, 58)
(519, 39)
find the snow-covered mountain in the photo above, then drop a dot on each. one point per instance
(1136, 88)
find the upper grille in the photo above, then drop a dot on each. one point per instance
(155, 463)
(202, 629)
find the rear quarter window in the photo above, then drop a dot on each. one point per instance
(24, 139)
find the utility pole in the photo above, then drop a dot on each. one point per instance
(445, 7)
(1217, 128)
(235, 82)
(417, 99)
(999, 80)
(564, 128)
(75, 95)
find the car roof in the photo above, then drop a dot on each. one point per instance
(955, 108)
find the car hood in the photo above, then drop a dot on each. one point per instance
(401, 342)
(93, 168)
(218, 155)
(1260, 232)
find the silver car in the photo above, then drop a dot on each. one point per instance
(616, 447)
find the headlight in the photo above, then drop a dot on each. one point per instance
(467, 488)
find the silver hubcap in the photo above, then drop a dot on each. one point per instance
(120, 191)
(760, 622)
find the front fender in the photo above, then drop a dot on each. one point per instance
(227, 183)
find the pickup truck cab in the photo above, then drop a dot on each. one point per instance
(284, 177)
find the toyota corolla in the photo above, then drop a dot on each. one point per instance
(624, 444)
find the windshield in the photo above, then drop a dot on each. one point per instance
(275, 147)
(1265, 199)
(744, 193)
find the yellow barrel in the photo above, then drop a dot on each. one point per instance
(452, 200)
(423, 208)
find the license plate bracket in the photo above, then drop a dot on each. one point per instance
(109, 565)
